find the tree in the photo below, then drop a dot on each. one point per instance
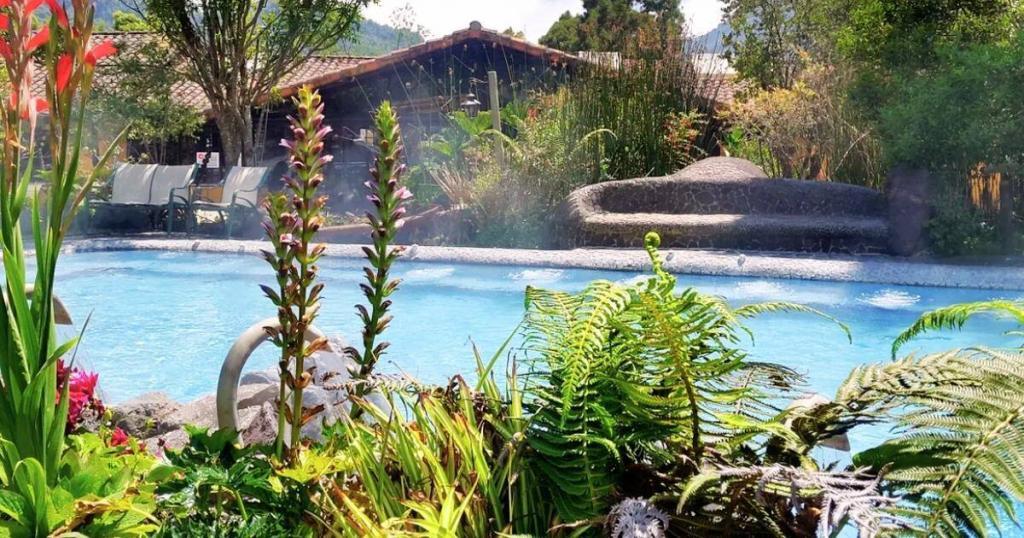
(136, 88)
(126, 21)
(613, 25)
(238, 50)
(768, 39)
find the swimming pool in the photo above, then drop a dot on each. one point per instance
(164, 320)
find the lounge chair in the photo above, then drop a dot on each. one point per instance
(239, 195)
(130, 187)
(150, 188)
(170, 189)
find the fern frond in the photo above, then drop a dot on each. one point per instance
(955, 316)
(957, 462)
(775, 307)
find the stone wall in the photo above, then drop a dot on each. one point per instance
(729, 203)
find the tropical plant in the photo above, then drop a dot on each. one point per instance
(218, 489)
(292, 227)
(955, 316)
(388, 196)
(954, 465)
(40, 495)
(644, 378)
(436, 461)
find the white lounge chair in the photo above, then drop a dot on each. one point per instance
(170, 189)
(150, 188)
(239, 194)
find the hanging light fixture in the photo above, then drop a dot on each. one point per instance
(470, 105)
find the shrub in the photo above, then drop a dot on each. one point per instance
(958, 229)
(807, 131)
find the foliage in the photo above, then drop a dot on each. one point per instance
(136, 91)
(955, 462)
(635, 103)
(645, 378)
(388, 196)
(768, 40)
(955, 316)
(956, 229)
(294, 218)
(916, 127)
(238, 50)
(445, 462)
(808, 131)
(100, 490)
(612, 25)
(375, 39)
(217, 489)
(32, 427)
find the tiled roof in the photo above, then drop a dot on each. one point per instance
(321, 70)
(723, 89)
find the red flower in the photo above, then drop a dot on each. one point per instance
(58, 12)
(38, 40)
(99, 52)
(35, 106)
(5, 21)
(84, 382)
(118, 438)
(32, 5)
(64, 66)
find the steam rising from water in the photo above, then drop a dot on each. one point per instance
(890, 299)
(428, 274)
(538, 275)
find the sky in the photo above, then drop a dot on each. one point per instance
(534, 17)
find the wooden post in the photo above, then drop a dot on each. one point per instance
(495, 103)
(1006, 231)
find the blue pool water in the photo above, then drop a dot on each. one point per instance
(164, 321)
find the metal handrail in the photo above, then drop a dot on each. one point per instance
(231, 370)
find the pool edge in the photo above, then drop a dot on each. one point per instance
(878, 270)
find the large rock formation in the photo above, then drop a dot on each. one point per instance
(729, 203)
(159, 421)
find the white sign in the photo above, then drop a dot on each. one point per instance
(214, 158)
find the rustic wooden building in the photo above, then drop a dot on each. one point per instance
(425, 82)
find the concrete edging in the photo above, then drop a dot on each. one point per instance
(842, 268)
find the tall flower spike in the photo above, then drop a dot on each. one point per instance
(294, 220)
(388, 196)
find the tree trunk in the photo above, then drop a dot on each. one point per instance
(236, 136)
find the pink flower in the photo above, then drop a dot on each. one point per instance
(403, 194)
(84, 382)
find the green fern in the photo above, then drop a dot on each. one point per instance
(957, 463)
(643, 375)
(954, 317)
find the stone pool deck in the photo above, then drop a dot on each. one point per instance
(844, 268)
